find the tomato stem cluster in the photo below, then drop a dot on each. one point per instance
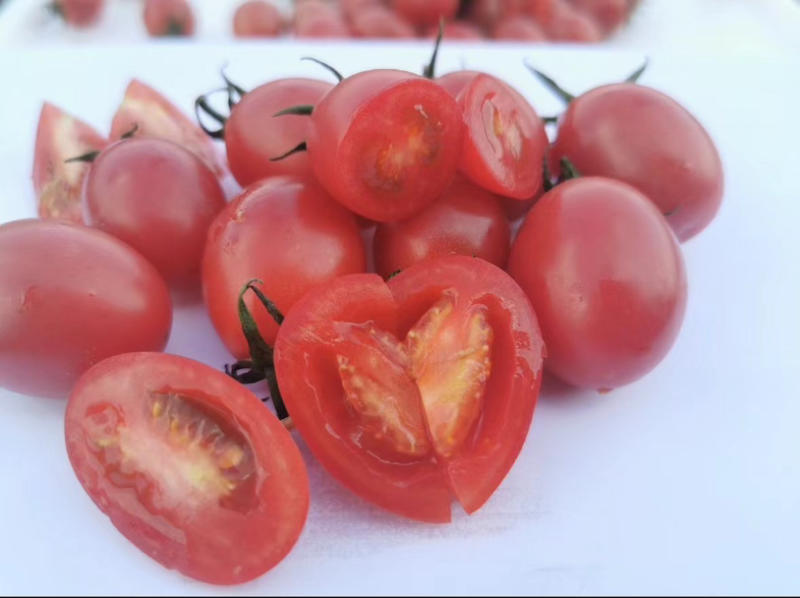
(234, 94)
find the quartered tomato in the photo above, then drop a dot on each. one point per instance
(252, 138)
(160, 199)
(168, 17)
(417, 390)
(58, 184)
(505, 139)
(385, 143)
(71, 296)
(188, 465)
(285, 231)
(155, 116)
(606, 278)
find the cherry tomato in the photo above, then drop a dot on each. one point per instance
(505, 139)
(606, 278)
(609, 131)
(520, 28)
(153, 115)
(455, 30)
(257, 18)
(385, 143)
(58, 184)
(466, 220)
(286, 232)
(424, 13)
(71, 296)
(314, 18)
(569, 24)
(607, 14)
(79, 13)
(168, 17)
(380, 22)
(252, 137)
(188, 465)
(160, 199)
(423, 387)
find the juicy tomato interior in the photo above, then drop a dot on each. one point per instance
(408, 386)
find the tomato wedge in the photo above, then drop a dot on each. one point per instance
(156, 116)
(414, 390)
(188, 465)
(58, 185)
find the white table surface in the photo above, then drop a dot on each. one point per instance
(687, 481)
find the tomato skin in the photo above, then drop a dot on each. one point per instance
(160, 199)
(466, 220)
(285, 231)
(80, 13)
(519, 28)
(313, 18)
(455, 30)
(58, 185)
(257, 18)
(226, 541)
(154, 115)
(424, 13)
(606, 277)
(609, 132)
(384, 143)
(568, 24)
(252, 137)
(71, 296)
(379, 22)
(168, 17)
(420, 489)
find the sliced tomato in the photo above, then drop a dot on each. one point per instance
(188, 465)
(414, 390)
(155, 116)
(58, 184)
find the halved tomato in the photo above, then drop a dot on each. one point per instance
(58, 184)
(188, 465)
(155, 116)
(414, 390)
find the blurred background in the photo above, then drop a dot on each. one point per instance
(740, 26)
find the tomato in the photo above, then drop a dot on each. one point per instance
(518, 28)
(505, 139)
(455, 30)
(71, 296)
(569, 24)
(58, 184)
(313, 18)
(160, 199)
(607, 14)
(168, 17)
(609, 131)
(424, 13)
(257, 18)
(188, 465)
(79, 13)
(378, 21)
(251, 139)
(385, 143)
(606, 278)
(417, 390)
(285, 231)
(466, 220)
(155, 116)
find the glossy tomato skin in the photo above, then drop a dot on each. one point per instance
(253, 136)
(58, 184)
(160, 199)
(188, 465)
(168, 17)
(466, 220)
(420, 487)
(606, 277)
(154, 115)
(385, 143)
(285, 231)
(257, 18)
(609, 131)
(71, 296)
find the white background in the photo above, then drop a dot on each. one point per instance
(687, 481)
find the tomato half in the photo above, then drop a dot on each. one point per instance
(71, 296)
(385, 143)
(155, 116)
(188, 465)
(505, 139)
(610, 131)
(606, 278)
(160, 199)
(252, 138)
(58, 184)
(415, 390)
(286, 232)
(168, 17)
(466, 220)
